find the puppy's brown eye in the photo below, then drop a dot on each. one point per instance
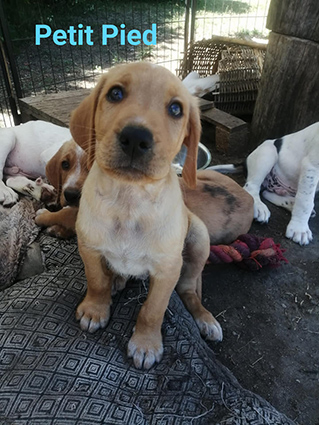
(175, 109)
(65, 165)
(115, 94)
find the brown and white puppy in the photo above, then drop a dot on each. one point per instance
(66, 171)
(132, 220)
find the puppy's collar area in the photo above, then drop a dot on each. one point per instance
(274, 184)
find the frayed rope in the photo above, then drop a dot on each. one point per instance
(248, 251)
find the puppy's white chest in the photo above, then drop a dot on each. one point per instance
(124, 232)
(132, 226)
(126, 248)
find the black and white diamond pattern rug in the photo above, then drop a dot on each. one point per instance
(52, 373)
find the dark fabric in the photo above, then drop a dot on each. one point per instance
(52, 373)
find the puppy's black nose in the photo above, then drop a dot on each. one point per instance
(136, 141)
(72, 196)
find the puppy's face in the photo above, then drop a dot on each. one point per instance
(67, 171)
(141, 116)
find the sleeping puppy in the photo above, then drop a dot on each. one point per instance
(286, 172)
(24, 152)
(67, 171)
(132, 220)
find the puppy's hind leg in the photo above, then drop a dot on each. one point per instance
(259, 164)
(286, 202)
(196, 251)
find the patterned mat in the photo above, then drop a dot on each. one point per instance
(52, 373)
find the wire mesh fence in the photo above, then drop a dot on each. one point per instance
(244, 19)
(6, 119)
(49, 67)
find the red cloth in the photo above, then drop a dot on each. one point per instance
(250, 252)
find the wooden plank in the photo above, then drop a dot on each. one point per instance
(204, 104)
(231, 133)
(287, 99)
(222, 119)
(55, 107)
(295, 17)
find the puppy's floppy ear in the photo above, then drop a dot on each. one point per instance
(53, 172)
(82, 122)
(191, 142)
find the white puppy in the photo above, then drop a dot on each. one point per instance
(198, 86)
(25, 151)
(286, 172)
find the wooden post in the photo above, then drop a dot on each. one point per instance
(289, 88)
(294, 17)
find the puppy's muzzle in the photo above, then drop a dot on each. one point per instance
(136, 142)
(72, 196)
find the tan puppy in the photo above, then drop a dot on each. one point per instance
(66, 171)
(132, 220)
(224, 206)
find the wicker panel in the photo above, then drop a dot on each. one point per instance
(239, 64)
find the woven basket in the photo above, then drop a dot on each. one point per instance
(239, 64)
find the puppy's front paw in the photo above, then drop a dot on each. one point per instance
(299, 232)
(261, 212)
(59, 232)
(145, 349)
(28, 189)
(40, 217)
(7, 196)
(41, 211)
(209, 327)
(92, 316)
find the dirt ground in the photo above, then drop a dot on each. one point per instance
(270, 321)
